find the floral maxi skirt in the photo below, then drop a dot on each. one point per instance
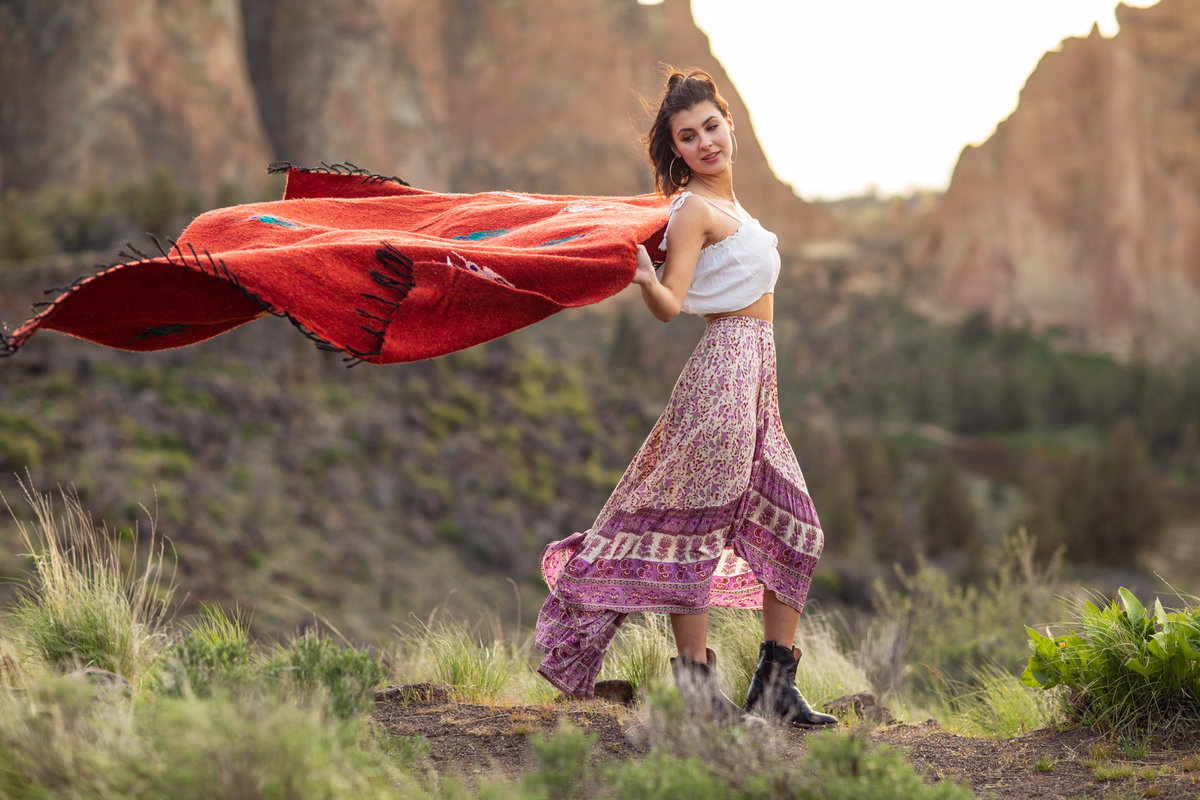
(713, 509)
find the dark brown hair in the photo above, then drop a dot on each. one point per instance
(683, 92)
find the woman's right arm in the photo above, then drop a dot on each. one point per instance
(689, 230)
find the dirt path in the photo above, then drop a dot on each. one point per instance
(477, 740)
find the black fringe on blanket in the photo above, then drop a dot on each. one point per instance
(344, 168)
(9, 344)
(396, 277)
(397, 281)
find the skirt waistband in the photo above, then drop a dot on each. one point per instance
(741, 321)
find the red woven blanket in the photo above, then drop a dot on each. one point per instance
(366, 265)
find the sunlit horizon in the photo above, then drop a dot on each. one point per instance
(863, 96)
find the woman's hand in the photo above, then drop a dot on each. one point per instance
(645, 275)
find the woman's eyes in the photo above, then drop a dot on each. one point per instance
(689, 137)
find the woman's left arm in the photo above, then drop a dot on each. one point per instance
(665, 298)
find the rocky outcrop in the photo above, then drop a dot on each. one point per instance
(462, 95)
(106, 89)
(468, 95)
(1082, 211)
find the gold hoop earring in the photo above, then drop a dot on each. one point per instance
(671, 172)
(735, 148)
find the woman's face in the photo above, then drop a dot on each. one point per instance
(702, 137)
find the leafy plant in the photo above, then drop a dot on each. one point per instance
(1124, 666)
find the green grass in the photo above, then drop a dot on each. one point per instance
(640, 652)
(210, 712)
(996, 704)
(1043, 764)
(476, 667)
(70, 739)
(84, 605)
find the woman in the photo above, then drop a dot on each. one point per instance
(713, 510)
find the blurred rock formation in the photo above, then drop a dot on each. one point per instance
(461, 95)
(1082, 211)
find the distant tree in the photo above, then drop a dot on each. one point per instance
(973, 397)
(229, 193)
(894, 543)
(947, 517)
(1187, 457)
(22, 234)
(1162, 413)
(154, 204)
(835, 501)
(1041, 517)
(1064, 404)
(1109, 503)
(975, 329)
(874, 467)
(625, 353)
(1013, 409)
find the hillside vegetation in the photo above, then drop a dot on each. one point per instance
(293, 486)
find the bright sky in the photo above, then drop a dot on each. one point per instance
(849, 94)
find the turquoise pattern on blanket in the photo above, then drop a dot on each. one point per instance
(563, 240)
(477, 235)
(277, 221)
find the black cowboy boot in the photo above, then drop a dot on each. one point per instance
(773, 689)
(697, 682)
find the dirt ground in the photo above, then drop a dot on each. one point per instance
(479, 740)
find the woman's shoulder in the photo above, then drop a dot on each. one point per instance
(677, 201)
(698, 206)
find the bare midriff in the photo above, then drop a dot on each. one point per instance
(762, 308)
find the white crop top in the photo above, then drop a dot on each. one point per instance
(734, 272)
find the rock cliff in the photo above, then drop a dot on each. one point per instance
(1082, 211)
(106, 89)
(460, 95)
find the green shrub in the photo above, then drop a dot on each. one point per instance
(70, 739)
(938, 632)
(214, 653)
(732, 764)
(845, 766)
(313, 661)
(1124, 668)
(564, 763)
(25, 441)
